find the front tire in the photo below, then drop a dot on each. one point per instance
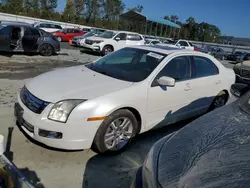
(46, 50)
(115, 133)
(107, 50)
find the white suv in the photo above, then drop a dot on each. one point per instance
(110, 41)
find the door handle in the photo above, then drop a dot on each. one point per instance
(218, 81)
(188, 87)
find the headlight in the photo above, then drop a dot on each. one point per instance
(98, 41)
(61, 110)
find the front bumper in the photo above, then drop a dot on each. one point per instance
(76, 134)
(94, 48)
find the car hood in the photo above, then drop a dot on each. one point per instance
(195, 157)
(94, 38)
(77, 82)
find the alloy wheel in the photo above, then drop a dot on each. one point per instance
(118, 133)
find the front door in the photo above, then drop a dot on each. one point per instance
(120, 41)
(5, 38)
(30, 39)
(167, 105)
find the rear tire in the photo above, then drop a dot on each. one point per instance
(115, 133)
(219, 101)
(107, 50)
(46, 50)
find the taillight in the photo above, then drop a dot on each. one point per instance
(196, 49)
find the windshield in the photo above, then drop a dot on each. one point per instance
(147, 41)
(238, 53)
(61, 30)
(128, 64)
(107, 34)
(89, 34)
(2, 26)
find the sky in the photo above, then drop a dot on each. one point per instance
(231, 16)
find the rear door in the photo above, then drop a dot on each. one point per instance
(206, 82)
(134, 39)
(120, 41)
(30, 39)
(5, 36)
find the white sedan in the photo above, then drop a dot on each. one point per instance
(104, 104)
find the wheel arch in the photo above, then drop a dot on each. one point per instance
(110, 45)
(136, 114)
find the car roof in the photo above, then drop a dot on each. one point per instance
(166, 49)
(3, 22)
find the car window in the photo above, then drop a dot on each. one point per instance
(191, 44)
(122, 36)
(70, 31)
(76, 31)
(58, 27)
(134, 37)
(5, 30)
(128, 64)
(183, 43)
(155, 42)
(204, 67)
(32, 32)
(178, 68)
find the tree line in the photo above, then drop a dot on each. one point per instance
(105, 14)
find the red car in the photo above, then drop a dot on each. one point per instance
(67, 34)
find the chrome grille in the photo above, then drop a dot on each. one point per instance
(33, 103)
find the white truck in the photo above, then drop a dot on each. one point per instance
(179, 44)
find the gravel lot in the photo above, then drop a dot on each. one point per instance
(61, 169)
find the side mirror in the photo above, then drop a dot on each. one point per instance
(178, 45)
(239, 89)
(166, 81)
(117, 39)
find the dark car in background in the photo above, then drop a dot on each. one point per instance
(236, 56)
(18, 37)
(219, 53)
(212, 151)
(242, 72)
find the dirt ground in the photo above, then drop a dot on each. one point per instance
(61, 169)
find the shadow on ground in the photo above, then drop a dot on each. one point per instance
(117, 171)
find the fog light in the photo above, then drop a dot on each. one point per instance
(50, 134)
